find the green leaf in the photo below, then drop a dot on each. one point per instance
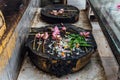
(77, 39)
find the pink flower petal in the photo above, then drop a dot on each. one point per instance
(64, 28)
(81, 33)
(60, 12)
(53, 35)
(38, 35)
(62, 9)
(45, 35)
(42, 35)
(118, 6)
(54, 11)
(85, 34)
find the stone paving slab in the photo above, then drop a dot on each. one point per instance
(92, 71)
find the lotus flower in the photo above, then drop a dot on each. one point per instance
(56, 30)
(85, 34)
(54, 12)
(64, 28)
(54, 35)
(58, 37)
(61, 11)
(41, 35)
(38, 35)
(45, 36)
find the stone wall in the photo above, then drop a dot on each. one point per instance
(13, 51)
